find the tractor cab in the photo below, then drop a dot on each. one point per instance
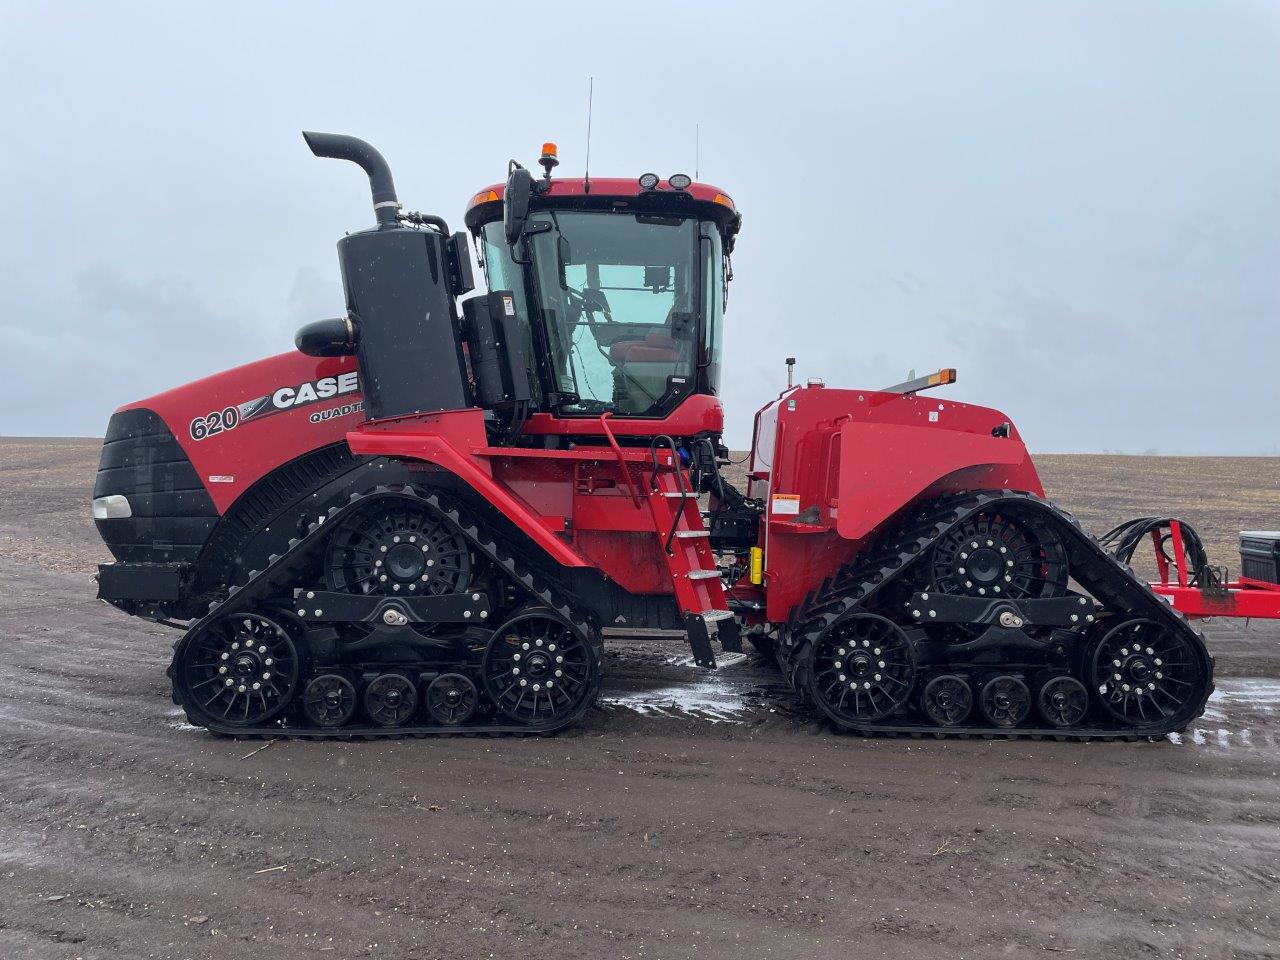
(617, 287)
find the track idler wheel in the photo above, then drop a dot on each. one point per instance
(539, 669)
(452, 699)
(1005, 701)
(390, 699)
(862, 669)
(1148, 675)
(240, 670)
(947, 700)
(1063, 701)
(329, 700)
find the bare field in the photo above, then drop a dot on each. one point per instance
(1219, 496)
(691, 815)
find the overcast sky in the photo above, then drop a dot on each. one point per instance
(1076, 204)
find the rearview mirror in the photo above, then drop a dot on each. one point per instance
(515, 206)
(658, 279)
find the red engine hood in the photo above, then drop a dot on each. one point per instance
(237, 425)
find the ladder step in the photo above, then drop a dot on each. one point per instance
(690, 534)
(703, 574)
(711, 616)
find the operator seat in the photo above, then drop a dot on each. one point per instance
(645, 364)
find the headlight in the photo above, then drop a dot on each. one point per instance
(648, 181)
(679, 181)
(114, 507)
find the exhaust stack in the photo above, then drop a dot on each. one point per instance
(337, 146)
(400, 280)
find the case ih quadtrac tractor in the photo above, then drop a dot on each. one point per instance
(424, 519)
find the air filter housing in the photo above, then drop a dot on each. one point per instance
(399, 298)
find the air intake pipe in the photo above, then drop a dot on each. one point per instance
(386, 205)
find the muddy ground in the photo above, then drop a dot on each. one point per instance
(691, 815)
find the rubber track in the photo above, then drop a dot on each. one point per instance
(1110, 582)
(278, 576)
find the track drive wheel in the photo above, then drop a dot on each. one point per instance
(397, 547)
(998, 554)
(539, 669)
(240, 670)
(862, 669)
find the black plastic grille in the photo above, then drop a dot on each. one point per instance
(173, 513)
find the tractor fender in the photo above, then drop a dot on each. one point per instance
(883, 467)
(449, 440)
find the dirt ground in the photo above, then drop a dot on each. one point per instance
(691, 815)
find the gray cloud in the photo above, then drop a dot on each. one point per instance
(1076, 204)
(111, 337)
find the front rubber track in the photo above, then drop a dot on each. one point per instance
(280, 577)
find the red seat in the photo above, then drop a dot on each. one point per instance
(654, 348)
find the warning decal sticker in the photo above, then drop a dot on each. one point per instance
(784, 504)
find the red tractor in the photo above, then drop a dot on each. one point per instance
(424, 520)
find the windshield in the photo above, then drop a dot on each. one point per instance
(619, 296)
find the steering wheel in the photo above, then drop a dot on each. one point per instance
(590, 301)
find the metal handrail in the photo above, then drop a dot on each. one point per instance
(622, 461)
(680, 483)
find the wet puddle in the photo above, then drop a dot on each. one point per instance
(720, 695)
(177, 719)
(1241, 713)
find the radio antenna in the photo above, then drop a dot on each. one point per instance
(586, 173)
(697, 148)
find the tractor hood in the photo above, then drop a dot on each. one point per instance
(236, 426)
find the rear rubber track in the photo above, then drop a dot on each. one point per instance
(857, 586)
